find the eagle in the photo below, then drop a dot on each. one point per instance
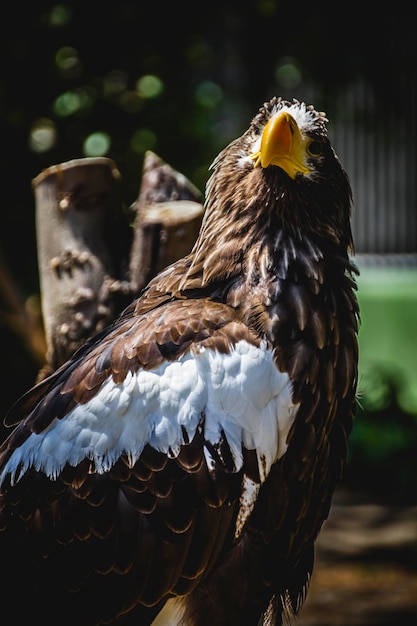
(179, 467)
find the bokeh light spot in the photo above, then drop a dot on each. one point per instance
(96, 144)
(66, 58)
(60, 15)
(287, 73)
(42, 135)
(208, 94)
(142, 140)
(149, 86)
(73, 101)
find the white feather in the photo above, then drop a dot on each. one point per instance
(242, 396)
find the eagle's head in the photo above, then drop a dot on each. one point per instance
(280, 178)
(289, 136)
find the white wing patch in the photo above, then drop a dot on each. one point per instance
(242, 395)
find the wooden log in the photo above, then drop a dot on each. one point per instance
(168, 217)
(78, 219)
(91, 262)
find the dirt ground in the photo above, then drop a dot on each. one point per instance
(366, 567)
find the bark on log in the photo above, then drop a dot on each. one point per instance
(168, 217)
(80, 232)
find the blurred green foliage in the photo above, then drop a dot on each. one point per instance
(116, 79)
(388, 333)
(383, 444)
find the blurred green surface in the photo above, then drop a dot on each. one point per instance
(382, 459)
(388, 333)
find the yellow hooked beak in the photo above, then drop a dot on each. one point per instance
(282, 145)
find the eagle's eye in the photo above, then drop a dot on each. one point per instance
(315, 148)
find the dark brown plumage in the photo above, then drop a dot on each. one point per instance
(191, 450)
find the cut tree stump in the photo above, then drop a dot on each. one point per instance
(168, 216)
(92, 263)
